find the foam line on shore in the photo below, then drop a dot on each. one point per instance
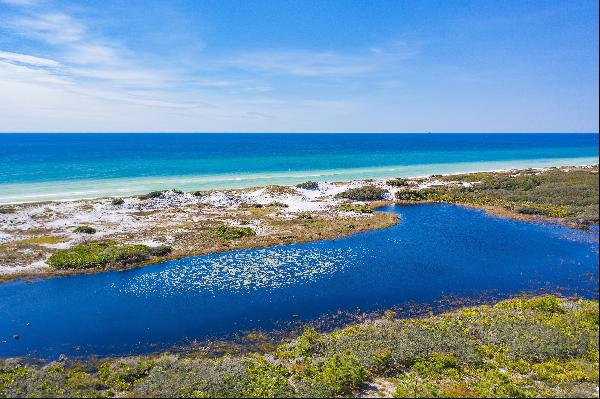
(86, 189)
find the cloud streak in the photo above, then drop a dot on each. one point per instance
(28, 59)
(89, 68)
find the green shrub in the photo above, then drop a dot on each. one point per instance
(152, 194)
(365, 193)
(306, 216)
(411, 195)
(397, 182)
(198, 193)
(466, 177)
(382, 361)
(233, 232)
(308, 185)
(123, 373)
(7, 210)
(277, 204)
(437, 363)
(572, 195)
(118, 201)
(413, 387)
(305, 345)
(85, 230)
(547, 303)
(536, 347)
(176, 191)
(355, 208)
(102, 254)
(280, 190)
(160, 250)
(267, 380)
(343, 373)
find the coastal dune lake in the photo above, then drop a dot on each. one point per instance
(436, 250)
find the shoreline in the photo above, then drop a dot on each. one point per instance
(257, 180)
(465, 334)
(278, 215)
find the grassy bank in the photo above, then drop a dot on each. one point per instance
(570, 195)
(543, 346)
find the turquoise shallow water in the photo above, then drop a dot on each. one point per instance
(436, 250)
(38, 167)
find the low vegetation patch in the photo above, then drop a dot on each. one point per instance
(151, 195)
(104, 254)
(277, 204)
(412, 195)
(398, 182)
(233, 232)
(306, 216)
(365, 193)
(85, 230)
(308, 185)
(48, 240)
(280, 190)
(117, 201)
(7, 210)
(358, 208)
(571, 195)
(540, 347)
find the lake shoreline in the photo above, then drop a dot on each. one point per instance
(363, 343)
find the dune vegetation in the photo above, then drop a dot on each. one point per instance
(544, 346)
(571, 195)
(104, 254)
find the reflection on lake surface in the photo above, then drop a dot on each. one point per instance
(435, 251)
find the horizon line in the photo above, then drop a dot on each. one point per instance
(298, 132)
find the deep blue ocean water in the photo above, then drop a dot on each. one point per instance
(437, 250)
(69, 166)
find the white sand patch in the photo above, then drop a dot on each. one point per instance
(60, 245)
(35, 266)
(152, 243)
(5, 237)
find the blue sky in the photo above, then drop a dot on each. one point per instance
(406, 66)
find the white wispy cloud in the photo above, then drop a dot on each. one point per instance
(302, 63)
(91, 53)
(97, 83)
(80, 56)
(306, 63)
(28, 59)
(52, 28)
(21, 2)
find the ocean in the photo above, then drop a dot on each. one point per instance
(41, 167)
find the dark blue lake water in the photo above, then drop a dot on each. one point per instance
(435, 251)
